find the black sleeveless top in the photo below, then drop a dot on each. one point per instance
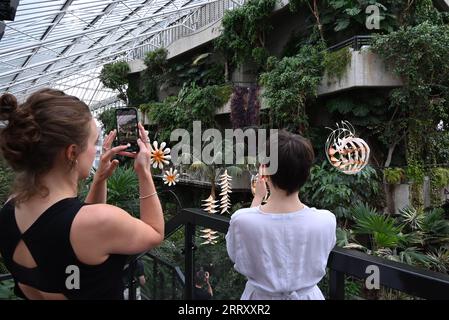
(48, 240)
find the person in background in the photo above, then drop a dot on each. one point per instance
(139, 278)
(202, 289)
(282, 247)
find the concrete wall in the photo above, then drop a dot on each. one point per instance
(401, 197)
(366, 69)
(136, 66)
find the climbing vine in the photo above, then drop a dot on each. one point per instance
(419, 56)
(288, 83)
(244, 32)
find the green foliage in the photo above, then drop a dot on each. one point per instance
(115, 76)
(289, 82)
(418, 55)
(330, 189)
(349, 16)
(202, 71)
(394, 175)
(435, 229)
(192, 103)
(168, 115)
(202, 102)
(107, 118)
(336, 63)
(415, 173)
(382, 228)
(225, 281)
(439, 177)
(6, 180)
(414, 237)
(7, 290)
(244, 31)
(156, 61)
(155, 74)
(123, 190)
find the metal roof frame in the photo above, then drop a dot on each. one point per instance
(65, 43)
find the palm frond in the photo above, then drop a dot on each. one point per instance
(412, 217)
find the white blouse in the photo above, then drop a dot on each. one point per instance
(283, 255)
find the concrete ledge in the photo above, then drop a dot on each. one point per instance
(196, 39)
(367, 69)
(136, 65)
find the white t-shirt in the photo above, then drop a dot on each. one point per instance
(283, 255)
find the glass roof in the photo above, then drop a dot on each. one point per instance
(64, 43)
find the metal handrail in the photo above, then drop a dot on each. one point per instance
(355, 42)
(342, 262)
(199, 18)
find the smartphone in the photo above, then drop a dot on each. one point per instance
(127, 129)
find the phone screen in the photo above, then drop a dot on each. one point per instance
(127, 130)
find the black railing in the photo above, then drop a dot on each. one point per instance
(176, 274)
(4, 277)
(342, 263)
(159, 285)
(356, 43)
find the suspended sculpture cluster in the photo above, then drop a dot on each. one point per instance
(212, 205)
(345, 151)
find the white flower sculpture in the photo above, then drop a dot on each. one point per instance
(160, 156)
(171, 177)
(226, 189)
(210, 236)
(346, 152)
(210, 205)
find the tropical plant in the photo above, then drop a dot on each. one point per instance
(155, 74)
(244, 32)
(417, 54)
(382, 229)
(328, 188)
(107, 118)
(115, 76)
(394, 175)
(123, 190)
(6, 180)
(200, 170)
(337, 62)
(288, 83)
(439, 177)
(203, 71)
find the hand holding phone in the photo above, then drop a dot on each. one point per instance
(127, 128)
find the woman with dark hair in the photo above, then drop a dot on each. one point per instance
(282, 247)
(54, 245)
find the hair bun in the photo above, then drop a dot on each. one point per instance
(8, 105)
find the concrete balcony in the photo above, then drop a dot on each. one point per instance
(366, 70)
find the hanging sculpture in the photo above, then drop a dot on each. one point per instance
(171, 177)
(210, 236)
(160, 156)
(225, 184)
(345, 151)
(210, 205)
